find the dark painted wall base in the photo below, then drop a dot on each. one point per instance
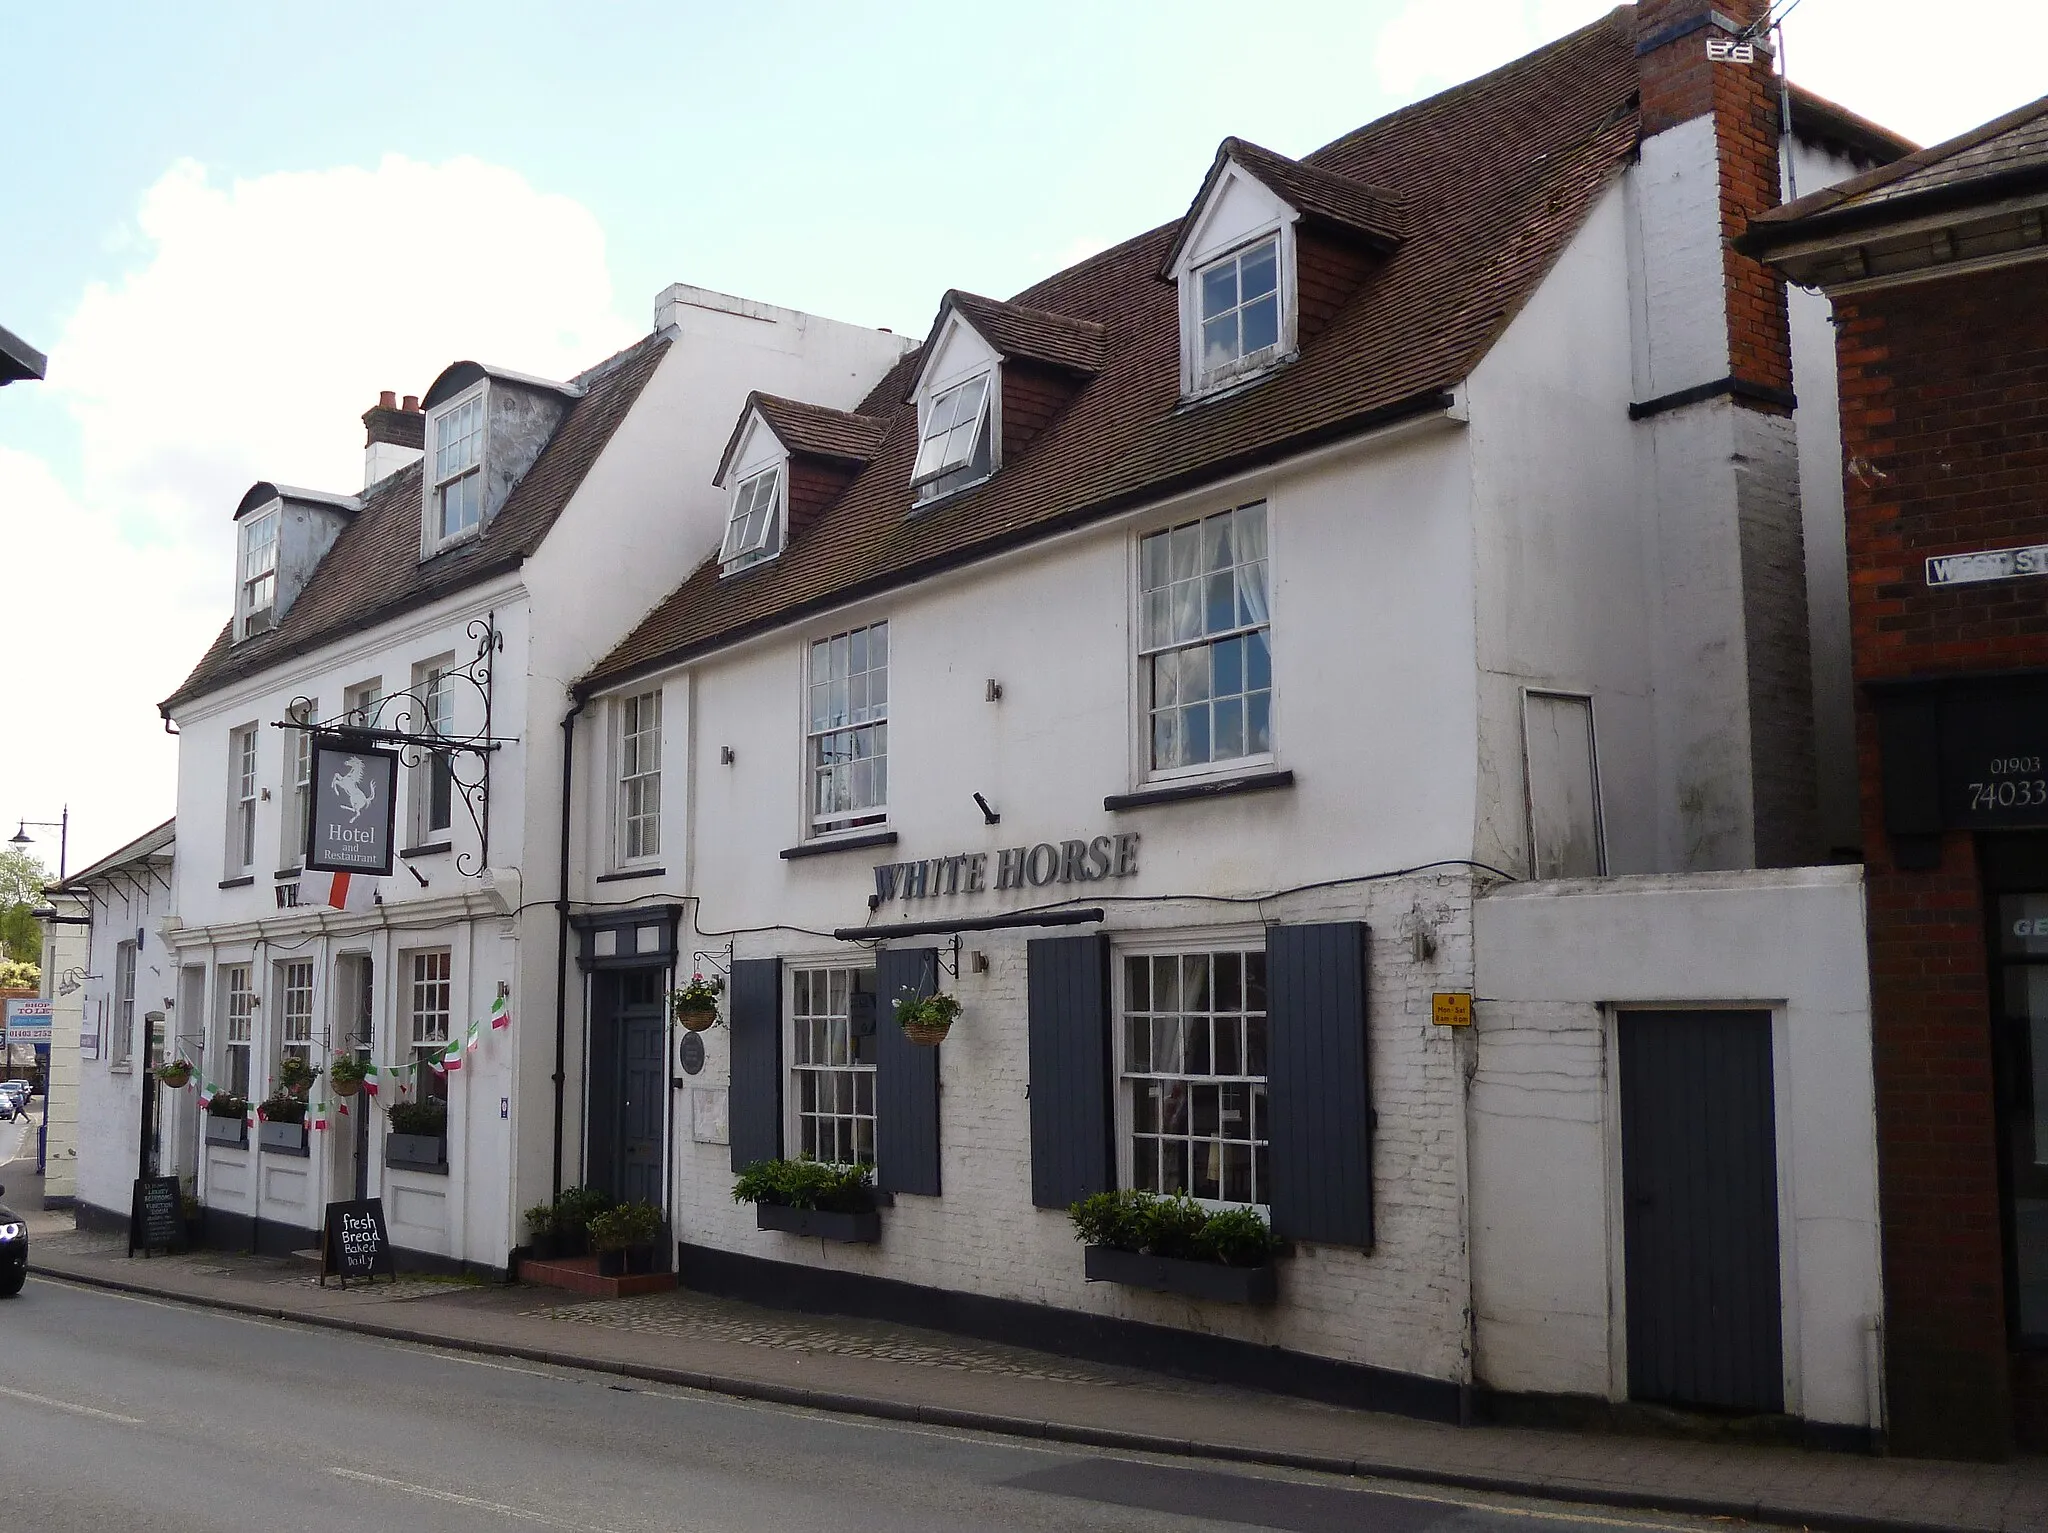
(1097, 1338)
(230, 1232)
(1588, 1413)
(91, 1216)
(60, 1201)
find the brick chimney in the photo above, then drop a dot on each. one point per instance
(1719, 470)
(397, 436)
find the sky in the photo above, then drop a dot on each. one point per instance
(231, 225)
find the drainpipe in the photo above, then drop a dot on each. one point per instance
(562, 933)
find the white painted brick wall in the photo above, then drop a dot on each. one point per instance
(1401, 1306)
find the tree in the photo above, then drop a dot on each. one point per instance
(20, 976)
(22, 879)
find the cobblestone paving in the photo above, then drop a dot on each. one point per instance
(693, 1316)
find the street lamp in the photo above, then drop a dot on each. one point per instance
(62, 826)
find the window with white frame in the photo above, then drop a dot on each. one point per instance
(754, 531)
(457, 504)
(847, 739)
(295, 1011)
(1238, 317)
(1204, 649)
(121, 1046)
(954, 446)
(241, 849)
(359, 702)
(833, 1068)
(433, 780)
(256, 595)
(1193, 1062)
(298, 810)
(238, 1016)
(429, 1010)
(639, 833)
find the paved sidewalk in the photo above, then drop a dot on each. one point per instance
(903, 1373)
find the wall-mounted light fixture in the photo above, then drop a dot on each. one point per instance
(994, 694)
(725, 755)
(988, 815)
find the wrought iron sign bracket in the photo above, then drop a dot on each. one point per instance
(699, 959)
(419, 722)
(949, 956)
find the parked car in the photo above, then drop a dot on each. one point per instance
(18, 1090)
(13, 1251)
(7, 1106)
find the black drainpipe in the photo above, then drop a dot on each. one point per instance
(562, 934)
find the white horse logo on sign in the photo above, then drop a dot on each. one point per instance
(353, 786)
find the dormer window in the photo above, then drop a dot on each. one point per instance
(257, 596)
(955, 448)
(755, 531)
(1240, 298)
(458, 494)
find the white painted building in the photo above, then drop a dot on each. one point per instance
(1181, 664)
(510, 530)
(128, 1125)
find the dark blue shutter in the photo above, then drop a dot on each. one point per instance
(906, 1078)
(754, 1106)
(1073, 1145)
(1319, 1100)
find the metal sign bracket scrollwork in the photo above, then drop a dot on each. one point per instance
(422, 723)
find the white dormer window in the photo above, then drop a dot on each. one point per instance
(1240, 303)
(256, 598)
(457, 502)
(955, 449)
(754, 532)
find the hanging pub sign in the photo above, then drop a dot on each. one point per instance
(354, 808)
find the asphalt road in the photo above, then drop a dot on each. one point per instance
(121, 1413)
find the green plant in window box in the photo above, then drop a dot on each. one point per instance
(428, 1120)
(346, 1074)
(808, 1184)
(927, 1019)
(175, 1073)
(283, 1107)
(295, 1076)
(695, 1005)
(1177, 1228)
(225, 1104)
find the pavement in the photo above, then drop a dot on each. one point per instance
(905, 1374)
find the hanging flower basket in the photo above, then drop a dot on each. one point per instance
(175, 1073)
(345, 1075)
(695, 1005)
(926, 1020)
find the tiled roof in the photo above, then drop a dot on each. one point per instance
(815, 429)
(1016, 330)
(1497, 174)
(150, 844)
(1374, 213)
(2016, 143)
(373, 572)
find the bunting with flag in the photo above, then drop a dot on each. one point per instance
(369, 1082)
(501, 1013)
(207, 1093)
(476, 1038)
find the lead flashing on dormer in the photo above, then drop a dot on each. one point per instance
(265, 493)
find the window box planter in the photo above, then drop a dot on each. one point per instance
(861, 1229)
(281, 1138)
(1192, 1280)
(232, 1133)
(417, 1152)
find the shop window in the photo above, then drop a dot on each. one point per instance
(1204, 642)
(1192, 1050)
(832, 1053)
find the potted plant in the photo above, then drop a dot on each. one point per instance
(926, 1019)
(574, 1208)
(808, 1197)
(227, 1119)
(295, 1076)
(346, 1074)
(281, 1123)
(418, 1140)
(540, 1232)
(175, 1073)
(1174, 1245)
(624, 1237)
(695, 1006)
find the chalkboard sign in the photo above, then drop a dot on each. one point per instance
(355, 1243)
(156, 1217)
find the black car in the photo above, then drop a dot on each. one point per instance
(13, 1251)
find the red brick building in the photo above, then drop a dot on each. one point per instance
(1938, 268)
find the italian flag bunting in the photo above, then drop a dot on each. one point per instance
(207, 1093)
(476, 1037)
(501, 1013)
(320, 1118)
(452, 1060)
(369, 1083)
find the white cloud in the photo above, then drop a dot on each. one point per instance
(260, 320)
